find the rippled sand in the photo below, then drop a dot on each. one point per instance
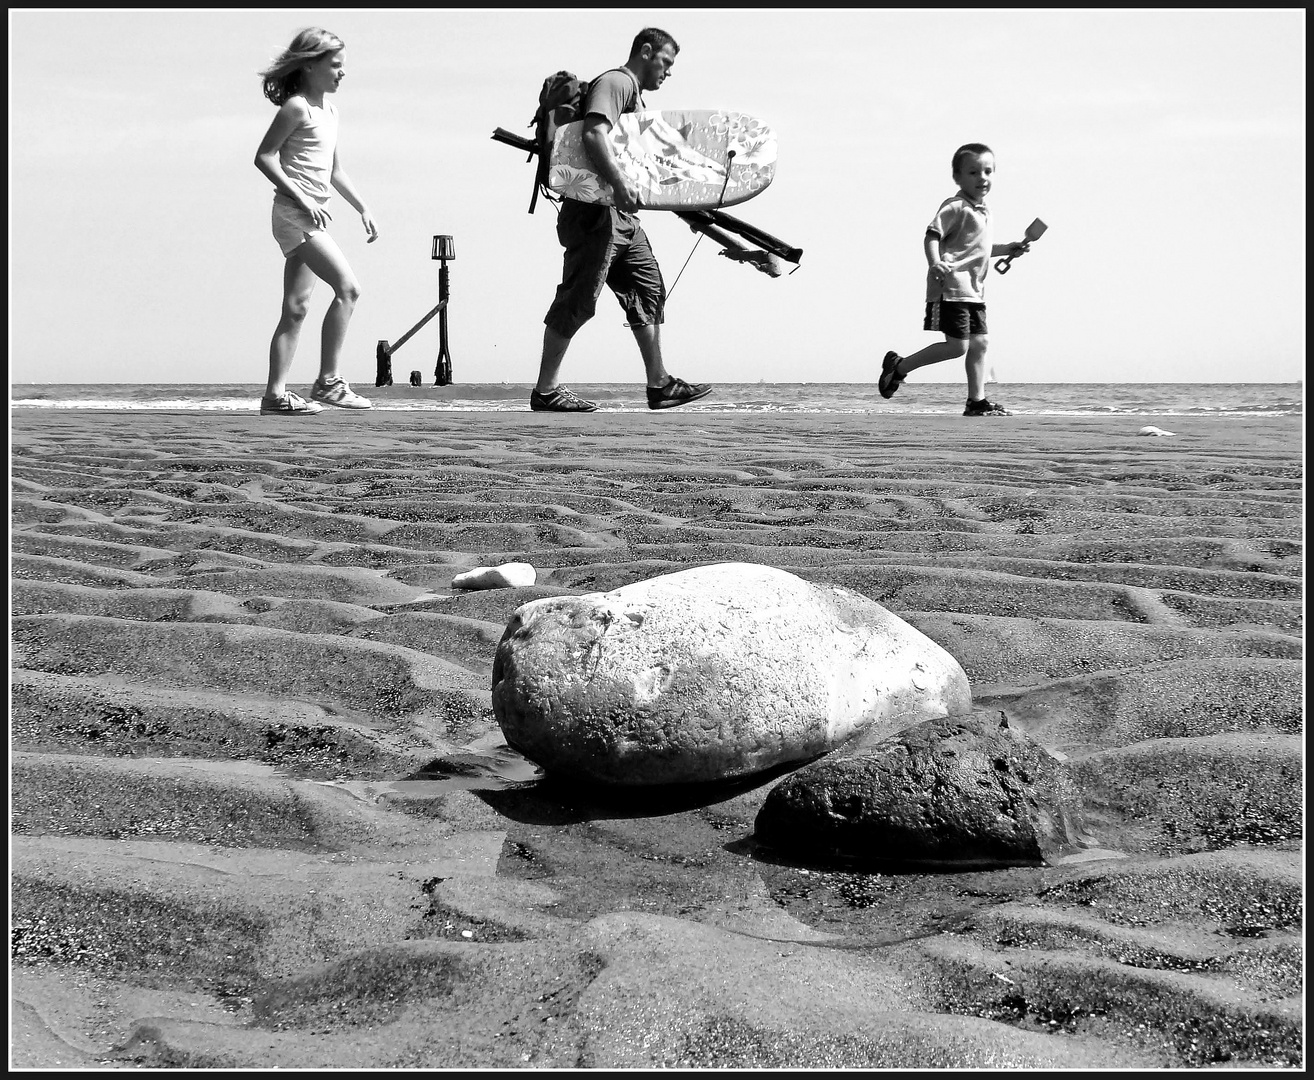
(262, 814)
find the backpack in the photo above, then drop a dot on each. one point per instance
(559, 102)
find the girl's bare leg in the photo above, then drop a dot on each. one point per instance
(325, 259)
(298, 284)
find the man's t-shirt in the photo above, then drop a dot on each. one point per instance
(964, 232)
(612, 93)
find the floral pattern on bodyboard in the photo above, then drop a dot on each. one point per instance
(677, 159)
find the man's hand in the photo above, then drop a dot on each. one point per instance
(624, 194)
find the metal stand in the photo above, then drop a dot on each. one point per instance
(443, 249)
(442, 372)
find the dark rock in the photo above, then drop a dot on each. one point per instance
(964, 791)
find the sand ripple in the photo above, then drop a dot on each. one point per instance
(263, 816)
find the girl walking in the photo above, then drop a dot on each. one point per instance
(299, 155)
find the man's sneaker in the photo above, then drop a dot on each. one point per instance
(287, 404)
(676, 392)
(559, 399)
(890, 379)
(984, 408)
(336, 392)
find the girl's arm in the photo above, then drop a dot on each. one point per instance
(342, 183)
(289, 116)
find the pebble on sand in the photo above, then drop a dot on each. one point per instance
(512, 575)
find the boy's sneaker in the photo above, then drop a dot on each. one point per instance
(559, 399)
(984, 408)
(890, 379)
(336, 392)
(675, 393)
(287, 404)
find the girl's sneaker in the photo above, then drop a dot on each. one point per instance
(288, 404)
(985, 408)
(336, 392)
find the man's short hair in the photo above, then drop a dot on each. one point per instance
(650, 35)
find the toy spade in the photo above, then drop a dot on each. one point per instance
(1034, 232)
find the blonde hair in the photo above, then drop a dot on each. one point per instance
(282, 78)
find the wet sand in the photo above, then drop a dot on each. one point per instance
(262, 814)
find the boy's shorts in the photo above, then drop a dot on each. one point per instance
(958, 319)
(604, 249)
(292, 225)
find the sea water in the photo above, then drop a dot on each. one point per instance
(1022, 399)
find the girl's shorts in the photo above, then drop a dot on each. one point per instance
(292, 226)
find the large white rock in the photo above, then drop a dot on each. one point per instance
(711, 673)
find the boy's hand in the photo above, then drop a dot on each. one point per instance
(1018, 247)
(939, 270)
(371, 230)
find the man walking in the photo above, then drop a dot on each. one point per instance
(606, 246)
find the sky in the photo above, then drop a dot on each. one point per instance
(1165, 149)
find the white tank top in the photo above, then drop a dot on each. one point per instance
(307, 154)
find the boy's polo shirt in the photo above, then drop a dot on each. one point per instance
(964, 231)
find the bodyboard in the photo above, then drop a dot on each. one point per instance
(678, 159)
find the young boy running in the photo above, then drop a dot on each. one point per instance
(958, 252)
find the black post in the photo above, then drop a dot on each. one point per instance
(383, 358)
(443, 249)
